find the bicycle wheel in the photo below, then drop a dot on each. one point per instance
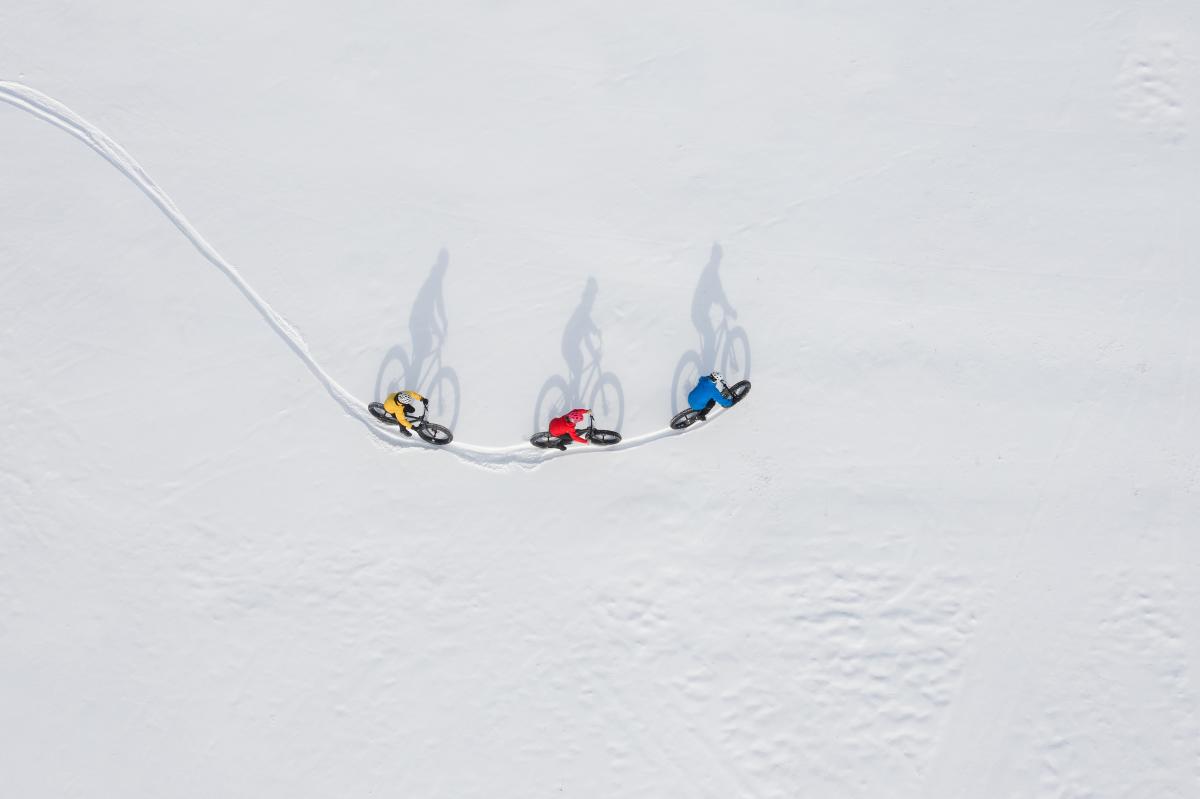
(376, 409)
(444, 399)
(545, 441)
(739, 390)
(684, 419)
(393, 372)
(608, 399)
(687, 375)
(735, 357)
(605, 437)
(435, 434)
(552, 401)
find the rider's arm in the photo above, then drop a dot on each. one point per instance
(396, 408)
(417, 413)
(721, 395)
(577, 437)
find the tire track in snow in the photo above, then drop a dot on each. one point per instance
(522, 455)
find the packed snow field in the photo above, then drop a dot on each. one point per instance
(945, 548)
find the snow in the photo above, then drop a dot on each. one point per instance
(945, 548)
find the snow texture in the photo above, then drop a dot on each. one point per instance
(947, 546)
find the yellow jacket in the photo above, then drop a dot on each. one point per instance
(401, 409)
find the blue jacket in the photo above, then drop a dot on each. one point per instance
(704, 391)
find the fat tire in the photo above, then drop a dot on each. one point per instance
(376, 409)
(544, 441)
(436, 434)
(739, 390)
(605, 438)
(684, 419)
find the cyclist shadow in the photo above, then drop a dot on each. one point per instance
(721, 347)
(423, 371)
(585, 385)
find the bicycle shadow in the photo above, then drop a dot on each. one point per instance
(423, 371)
(585, 385)
(721, 347)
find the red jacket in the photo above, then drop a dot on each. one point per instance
(562, 426)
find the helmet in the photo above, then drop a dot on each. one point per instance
(717, 377)
(407, 398)
(577, 415)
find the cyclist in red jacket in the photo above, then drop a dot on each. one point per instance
(564, 427)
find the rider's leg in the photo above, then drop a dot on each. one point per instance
(404, 419)
(708, 406)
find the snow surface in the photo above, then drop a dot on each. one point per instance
(946, 548)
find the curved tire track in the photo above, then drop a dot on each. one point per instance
(497, 458)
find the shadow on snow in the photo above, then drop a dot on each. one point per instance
(585, 385)
(722, 347)
(422, 370)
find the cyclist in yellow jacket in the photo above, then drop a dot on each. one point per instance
(407, 407)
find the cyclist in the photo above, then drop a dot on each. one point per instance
(710, 391)
(564, 427)
(407, 407)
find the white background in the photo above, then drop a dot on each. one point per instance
(946, 548)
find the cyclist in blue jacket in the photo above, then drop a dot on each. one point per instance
(710, 391)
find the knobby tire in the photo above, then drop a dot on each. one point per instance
(435, 434)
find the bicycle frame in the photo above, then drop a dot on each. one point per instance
(588, 379)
